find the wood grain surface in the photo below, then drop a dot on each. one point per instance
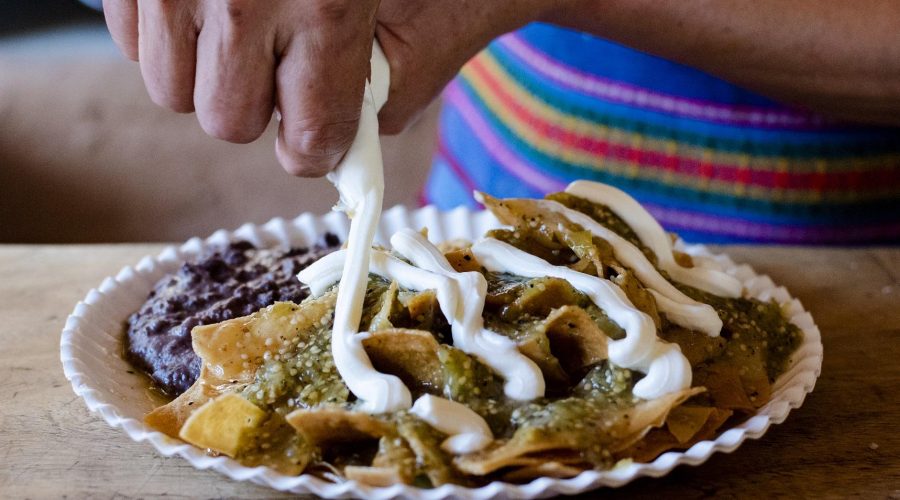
(844, 441)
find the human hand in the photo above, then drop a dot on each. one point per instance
(234, 61)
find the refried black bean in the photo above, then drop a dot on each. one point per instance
(218, 285)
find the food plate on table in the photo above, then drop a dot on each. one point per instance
(556, 338)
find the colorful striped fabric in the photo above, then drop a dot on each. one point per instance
(715, 163)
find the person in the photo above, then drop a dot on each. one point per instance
(736, 120)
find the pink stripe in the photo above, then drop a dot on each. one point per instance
(507, 160)
(619, 92)
(676, 219)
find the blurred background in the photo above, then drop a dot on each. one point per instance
(85, 156)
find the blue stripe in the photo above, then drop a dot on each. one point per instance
(444, 189)
(483, 170)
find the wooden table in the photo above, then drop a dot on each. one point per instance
(844, 441)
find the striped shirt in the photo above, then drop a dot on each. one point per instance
(544, 106)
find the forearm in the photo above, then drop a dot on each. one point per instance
(832, 56)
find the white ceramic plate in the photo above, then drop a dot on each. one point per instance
(91, 353)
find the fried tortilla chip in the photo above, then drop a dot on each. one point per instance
(323, 426)
(697, 347)
(642, 299)
(411, 355)
(389, 306)
(737, 382)
(660, 440)
(422, 308)
(395, 455)
(462, 260)
(609, 428)
(723, 386)
(536, 346)
(375, 476)
(233, 349)
(685, 421)
(169, 418)
(538, 297)
(221, 424)
(425, 442)
(575, 339)
(545, 469)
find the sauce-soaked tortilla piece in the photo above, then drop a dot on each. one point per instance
(411, 355)
(564, 345)
(614, 430)
(686, 421)
(575, 340)
(425, 441)
(695, 347)
(538, 297)
(660, 440)
(462, 260)
(394, 463)
(388, 306)
(555, 220)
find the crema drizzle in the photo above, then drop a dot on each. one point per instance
(679, 308)
(359, 179)
(461, 296)
(666, 368)
(467, 430)
(654, 236)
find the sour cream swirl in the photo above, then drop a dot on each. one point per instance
(654, 236)
(666, 367)
(679, 308)
(461, 299)
(467, 430)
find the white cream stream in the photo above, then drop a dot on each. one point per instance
(666, 368)
(460, 296)
(523, 378)
(654, 236)
(359, 179)
(679, 308)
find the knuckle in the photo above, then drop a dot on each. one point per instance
(229, 129)
(236, 12)
(304, 168)
(168, 9)
(324, 143)
(333, 10)
(171, 101)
